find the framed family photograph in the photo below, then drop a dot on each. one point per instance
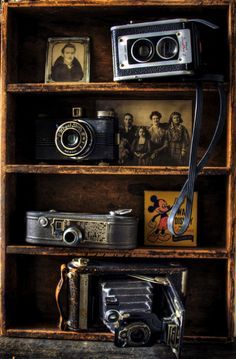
(152, 132)
(68, 60)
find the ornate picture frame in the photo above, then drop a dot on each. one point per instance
(67, 59)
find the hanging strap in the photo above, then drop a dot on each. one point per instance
(187, 191)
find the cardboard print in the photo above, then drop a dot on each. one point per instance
(157, 206)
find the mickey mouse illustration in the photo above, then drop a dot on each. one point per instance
(158, 228)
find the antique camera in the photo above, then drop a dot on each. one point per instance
(140, 303)
(117, 229)
(158, 48)
(77, 138)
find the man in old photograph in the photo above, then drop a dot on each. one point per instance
(67, 67)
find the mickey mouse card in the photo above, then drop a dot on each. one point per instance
(157, 207)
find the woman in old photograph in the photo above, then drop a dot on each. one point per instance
(141, 148)
(159, 140)
(178, 140)
(67, 67)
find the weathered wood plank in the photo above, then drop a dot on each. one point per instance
(200, 253)
(111, 170)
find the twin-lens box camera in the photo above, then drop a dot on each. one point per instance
(78, 138)
(141, 304)
(116, 230)
(158, 48)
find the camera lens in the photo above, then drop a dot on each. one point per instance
(75, 139)
(138, 333)
(167, 47)
(71, 138)
(142, 50)
(72, 236)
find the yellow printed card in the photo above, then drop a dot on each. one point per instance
(157, 207)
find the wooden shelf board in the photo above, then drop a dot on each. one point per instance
(147, 252)
(109, 170)
(55, 333)
(124, 3)
(106, 87)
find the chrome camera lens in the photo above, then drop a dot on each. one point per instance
(71, 138)
(137, 334)
(142, 50)
(72, 235)
(167, 48)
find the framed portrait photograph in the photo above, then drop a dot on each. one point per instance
(68, 60)
(152, 132)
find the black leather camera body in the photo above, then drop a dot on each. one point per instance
(77, 138)
(140, 303)
(155, 49)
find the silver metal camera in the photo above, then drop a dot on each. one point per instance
(158, 48)
(114, 230)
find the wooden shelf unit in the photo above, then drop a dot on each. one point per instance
(29, 274)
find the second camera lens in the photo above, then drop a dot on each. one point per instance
(167, 48)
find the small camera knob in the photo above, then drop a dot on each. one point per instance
(72, 236)
(105, 113)
(77, 112)
(43, 221)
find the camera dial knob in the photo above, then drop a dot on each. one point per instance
(43, 221)
(72, 236)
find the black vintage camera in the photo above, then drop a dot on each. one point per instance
(158, 48)
(141, 304)
(114, 230)
(77, 138)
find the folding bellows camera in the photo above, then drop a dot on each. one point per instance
(142, 304)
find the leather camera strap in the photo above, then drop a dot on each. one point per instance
(187, 191)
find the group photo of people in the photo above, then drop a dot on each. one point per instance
(154, 133)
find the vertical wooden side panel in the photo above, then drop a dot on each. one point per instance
(233, 92)
(231, 158)
(3, 159)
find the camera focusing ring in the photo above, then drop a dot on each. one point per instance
(75, 139)
(142, 50)
(167, 48)
(72, 236)
(136, 334)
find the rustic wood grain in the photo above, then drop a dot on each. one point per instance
(199, 253)
(124, 3)
(3, 159)
(111, 170)
(106, 87)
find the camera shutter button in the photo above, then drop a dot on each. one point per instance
(43, 221)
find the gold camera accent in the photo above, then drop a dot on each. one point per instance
(89, 231)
